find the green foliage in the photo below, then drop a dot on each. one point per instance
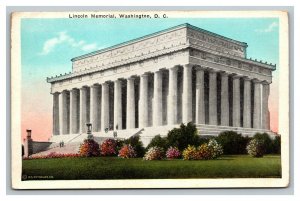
(266, 141)
(232, 142)
(203, 140)
(183, 136)
(276, 145)
(120, 144)
(159, 141)
(135, 142)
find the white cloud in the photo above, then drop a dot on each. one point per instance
(64, 38)
(270, 28)
(89, 47)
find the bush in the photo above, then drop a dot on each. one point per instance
(108, 147)
(183, 136)
(154, 153)
(173, 153)
(232, 142)
(89, 148)
(127, 151)
(190, 153)
(266, 140)
(255, 148)
(203, 140)
(205, 152)
(135, 142)
(276, 145)
(216, 148)
(120, 144)
(159, 141)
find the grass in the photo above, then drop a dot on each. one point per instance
(235, 166)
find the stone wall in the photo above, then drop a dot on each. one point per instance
(32, 147)
(40, 146)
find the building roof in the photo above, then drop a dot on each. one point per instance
(187, 25)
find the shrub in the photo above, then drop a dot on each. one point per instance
(190, 153)
(232, 142)
(266, 140)
(276, 145)
(159, 141)
(183, 136)
(216, 148)
(120, 144)
(154, 153)
(127, 151)
(135, 142)
(255, 148)
(89, 148)
(108, 147)
(203, 140)
(173, 153)
(205, 152)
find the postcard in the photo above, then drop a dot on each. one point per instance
(149, 99)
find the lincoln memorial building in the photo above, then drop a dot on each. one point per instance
(151, 84)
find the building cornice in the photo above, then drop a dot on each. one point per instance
(130, 42)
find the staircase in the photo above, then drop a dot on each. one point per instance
(69, 148)
(209, 130)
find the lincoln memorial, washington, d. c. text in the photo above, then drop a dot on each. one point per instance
(154, 83)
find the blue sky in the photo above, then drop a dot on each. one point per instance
(48, 45)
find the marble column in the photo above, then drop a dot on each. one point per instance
(143, 104)
(94, 107)
(74, 127)
(224, 100)
(265, 106)
(130, 116)
(257, 105)
(117, 105)
(213, 98)
(105, 107)
(82, 109)
(157, 99)
(200, 106)
(187, 115)
(236, 102)
(247, 103)
(63, 113)
(172, 96)
(56, 110)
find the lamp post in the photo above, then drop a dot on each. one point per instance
(28, 133)
(89, 131)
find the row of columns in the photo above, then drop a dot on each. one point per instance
(73, 121)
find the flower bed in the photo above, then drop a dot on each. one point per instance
(52, 155)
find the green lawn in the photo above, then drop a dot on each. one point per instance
(237, 166)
